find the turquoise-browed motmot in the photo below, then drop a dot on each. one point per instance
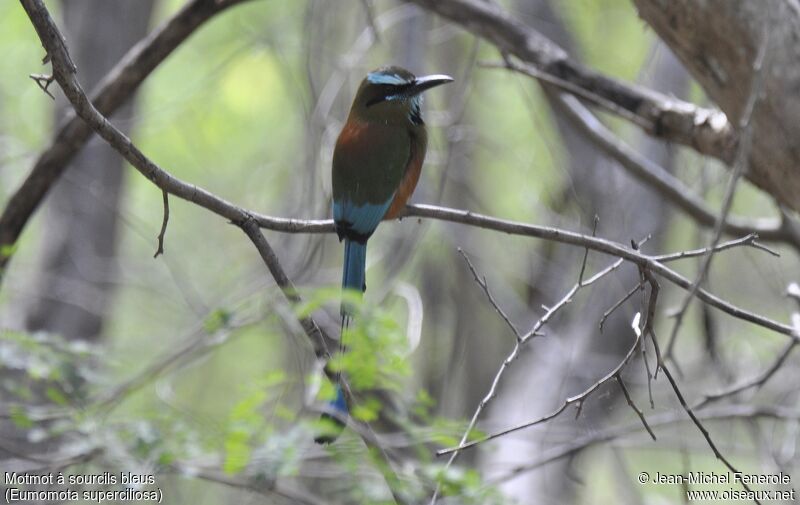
(376, 165)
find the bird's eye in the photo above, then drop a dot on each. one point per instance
(388, 92)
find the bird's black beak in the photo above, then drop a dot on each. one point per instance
(427, 82)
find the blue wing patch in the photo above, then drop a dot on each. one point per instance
(362, 219)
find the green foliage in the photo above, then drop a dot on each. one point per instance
(467, 484)
(56, 367)
(246, 421)
(376, 346)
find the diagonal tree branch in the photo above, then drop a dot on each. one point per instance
(706, 130)
(470, 218)
(781, 229)
(113, 91)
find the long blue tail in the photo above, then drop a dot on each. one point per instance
(353, 277)
(355, 266)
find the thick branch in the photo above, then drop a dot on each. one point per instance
(544, 232)
(781, 229)
(707, 131)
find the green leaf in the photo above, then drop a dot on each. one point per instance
(367, 411)
(217, 320)
(8, 250)
(56, 396)
(20, 418)
(237, 451)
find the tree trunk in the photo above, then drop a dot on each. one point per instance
(717, 41)
(75, 284)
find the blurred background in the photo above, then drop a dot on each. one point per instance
(191, 367)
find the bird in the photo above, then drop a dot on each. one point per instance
(376, 165)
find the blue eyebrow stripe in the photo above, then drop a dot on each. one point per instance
(381, 78)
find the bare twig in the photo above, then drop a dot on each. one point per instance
(743, 412)
(649, 330)
(44, 81)
(322, 342)
(699, 424)
(749, 240)
(586, 251)
(618, 304)
(634, 407)
(756, 382)
(596, 244)
(481, 280)
(514, 354)
(576, 400)
(160, 249)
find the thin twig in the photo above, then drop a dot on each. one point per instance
(700, 425)
(44, 81)
(595, 243)
(160, 249)
(747, 240)
(649, 308)
(481, 280)
(534, 331)
(586, 251)
(649, 330)
(618, 304)
(744, 412)
(756, 382)
(572, 400)
(634, 407)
